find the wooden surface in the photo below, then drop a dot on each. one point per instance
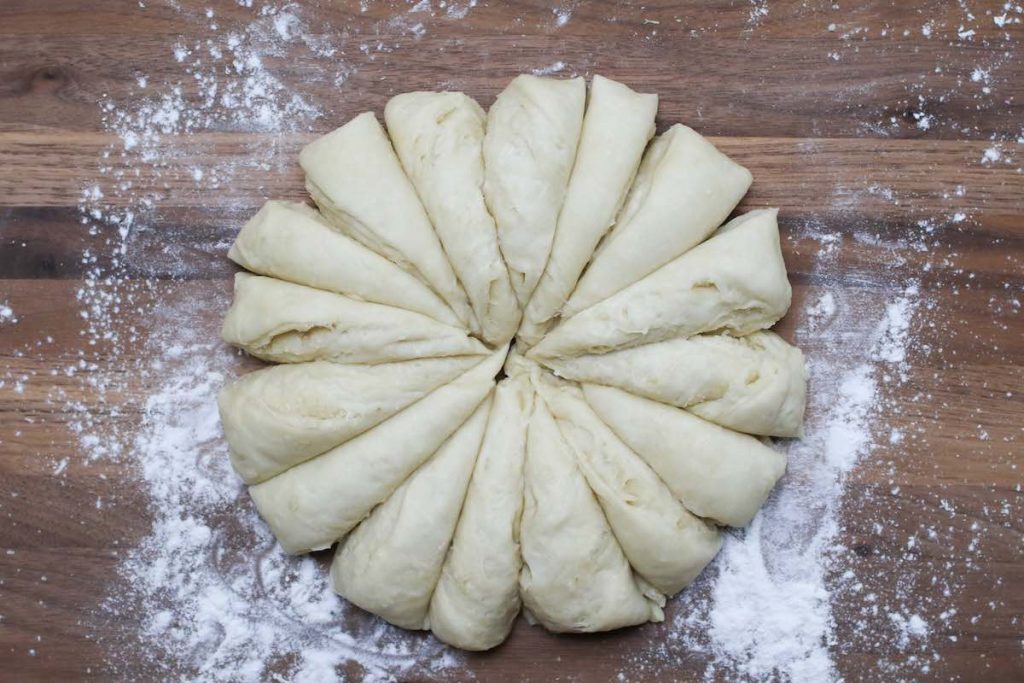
(827, 119)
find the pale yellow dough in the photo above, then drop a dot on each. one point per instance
(533, 129)
(279, 416)
(391, 563)
(314, 504)
(524, 368)
(665, 544)
(735, 282)
(755, 384)
(477, 597)
(616, 127)
(684, 189)
(293, 242)
(717, 473)
(575, 576)
(355, 178)
(286, 323)
(439, 138)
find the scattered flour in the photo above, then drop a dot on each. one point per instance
(208, 588)
(206, 605)
(562, 15)
(822, 311)
(767, 611)
(758, 11)
(992, 155)
(550, 69)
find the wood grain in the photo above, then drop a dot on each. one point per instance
(828, 120)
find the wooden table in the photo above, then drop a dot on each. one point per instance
(878, 123)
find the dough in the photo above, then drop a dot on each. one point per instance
(439, 138)
(755, 384)
(390, 564)
(684, 189)
(575, 576)
(735, 282)
(292, 242)
(355, 178)
(532, 132)
(477, 598)
(716, 473)
(586, 484)
(616, 128)
(314, 504)
(279, 416)
(286, 323)
(666, 545)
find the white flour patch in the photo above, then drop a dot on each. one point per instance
(822, 310)
(992, 155)
(562, 15)
(758, 11)
(553, 68)
(213, 589)
(413, 21)
(208, 589)
(457, 10)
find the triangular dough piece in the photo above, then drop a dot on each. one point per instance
(477, 598)
(533, 129)
(283, 415)
(312, 505)
(716, 473)
(735, 282)
(616, 128)
(293, 242)
(355, 178)
(287, 323)
(575, 576)
(755, 384)
(439, 138)
(684, 189)
(666, 545)
(390, 564)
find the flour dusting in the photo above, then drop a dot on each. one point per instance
(206, 606)
(209, 588)
(7, 314)
(766, 611)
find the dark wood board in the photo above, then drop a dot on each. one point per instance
(823, 102)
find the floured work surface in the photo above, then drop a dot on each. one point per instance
(899, 187)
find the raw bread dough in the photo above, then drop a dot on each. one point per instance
(735, 282)
(287, 323)
(355, 178)
(292, 241)
(458, 502)
(616, 127)
(532, 132)
(575, 576)
(755, 384)
(477, 598)
(684, 189)
(666, 545)
(279, 416)
(314, 504)
(439, 138)
(390, 564)
(716, 473)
